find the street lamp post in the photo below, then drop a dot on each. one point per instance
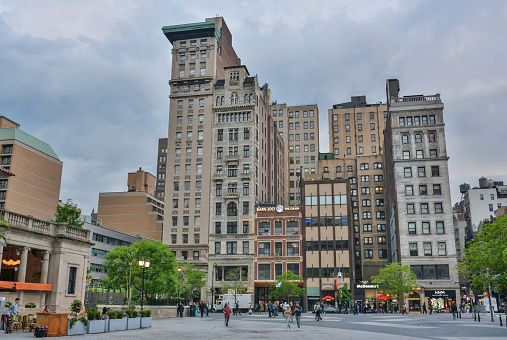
(179, 276)
(143, 264)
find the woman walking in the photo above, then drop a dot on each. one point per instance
(227, 314)
(297, 312)
(287, 313)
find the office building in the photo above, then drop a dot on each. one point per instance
(418, 198)
(161, 168)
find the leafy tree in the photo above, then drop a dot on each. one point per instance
(237, 281)
(343, 294)
(69, 213)
(3, 232)
(287, 285)
(484, 263)
(191, 281)
(395, 280)
(124, 271)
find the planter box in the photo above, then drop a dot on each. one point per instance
(97, 326)
(117, 325)
(133, 323)
(146, 322)
(78, 328)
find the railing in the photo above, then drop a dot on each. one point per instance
(49, 228)
(416, 100)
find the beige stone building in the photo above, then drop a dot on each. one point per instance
(161, 168)
(299, 128)
(356, 139)
(35, 188)
(43, 262)
(200, 53)
(327, 235)
(418, 197)
(135, 212)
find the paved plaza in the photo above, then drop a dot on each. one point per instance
(333, 326)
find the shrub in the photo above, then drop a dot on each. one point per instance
(145, 313)
(120, 314)
(93, 314)
(111, 314)
(8, 304)
(132, 313)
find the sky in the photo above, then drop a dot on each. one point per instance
(90, 78)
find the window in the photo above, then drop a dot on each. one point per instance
(409, 121)
(220, 153)
(246, 229)
(366, 203)
(359, 116)
(492, 196)
(232, 227)
(424, 208)
(404, 139)
(423, 190)
(440, 227)
(438, 208)
(421, 171)
(347, 128)
(406, 154)
(359, 127)
(264, 228)
(189, 135)
(179, 120)
(365, 178)
(292, 228)
(381, 240)
(232, 248)
(372, 126)
(293, 248)
(264, 272)
(185, 238)
(441, 249)
(418, 138)
(410, 209)
(349, 151)
(246, 189)
(71, 288)
(246, 133)
(379, 190)
(218, 207)
(413, 249)
(407, 172)
(379, 202)
(368, 240)
(433, 153)
(176, 186)
(419, 154)
(264, 249)
(232, 171)
(246, 208)
(232, 209)
(367, 227)
(201, 101)
(432, 119)
(218, 228)
(409, 190)
(402, 121)
(368, 253)
(366, 215)
(427, 248)
(180, 104)
(417, 120)
(220, 135)
(425, 120)
(381, 227)
(412, 228)
(246, 247)
(173, 238)
(426, 228)
(178, 136)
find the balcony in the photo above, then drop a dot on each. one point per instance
(416, 100)
(229, 195)
(232, 158)
(245, 177)
(218, 177)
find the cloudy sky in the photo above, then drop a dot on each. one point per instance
(90, 77)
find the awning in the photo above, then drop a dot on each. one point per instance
(6, 284)
(33, 286)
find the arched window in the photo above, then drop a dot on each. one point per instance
(232, 209)
(223, 101)
(432, 137)
(404, 139)
(218, 101)
(251, 98)
(246, 99)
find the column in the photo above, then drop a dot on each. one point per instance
(22, 265)
(45, 266)
(1, 255)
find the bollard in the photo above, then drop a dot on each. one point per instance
(500, 317)
(479, 317)
(460, 314)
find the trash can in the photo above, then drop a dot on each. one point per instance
(192, 310)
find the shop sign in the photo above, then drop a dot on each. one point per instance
(439, 293)
(327, 287)
(366, 286)
(383, 297)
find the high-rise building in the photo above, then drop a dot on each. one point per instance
(418, 197)
(135, 212)
(35, 188)
(327, 232)
(299, 128)
(356, 137)
(200, 53)
(161, 168)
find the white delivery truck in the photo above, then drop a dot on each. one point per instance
(483, 305)
(244, 300)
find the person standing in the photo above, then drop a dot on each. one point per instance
(424, 308)
(454, 309)
(297, 312)
(292, 307)
(431, 308)
(180, 309)
(269, 309)
(14, 307)
(287, 313)
(202, 307)
(237, 308)
(227, 314)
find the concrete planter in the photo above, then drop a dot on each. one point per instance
(78, 329)
(97, 326)
(146, 322)
(133, 323)
(117, 325)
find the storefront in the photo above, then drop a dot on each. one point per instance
(367, 294)
(414, 302)
(440, 300)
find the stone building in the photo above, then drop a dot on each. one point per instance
(418, 198)
(161, 168)
(35, 190)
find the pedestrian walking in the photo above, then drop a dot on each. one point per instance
(237, 308)
(454, 309)
(287, 313)
(404, 310)
(250, 309)
(292, 307)
(424, 308)
(297, 312)
(202, 307)
(270, 309)
(227, 314)
(317, 313)
(431, 308)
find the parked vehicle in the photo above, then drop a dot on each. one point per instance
(244, 300)
(328, 309)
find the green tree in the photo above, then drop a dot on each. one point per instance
(287, 285)
(395, 280)
(69, 213)
(191, 281)
(3, 231)
(124, 271)
(235, 280)
(343, 294)
(484, 264)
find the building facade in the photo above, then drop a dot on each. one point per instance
(278, 248)
(35, 189)
(161, 169)
(356, 139)
(418, 200)
(327, 232)
(135, 212)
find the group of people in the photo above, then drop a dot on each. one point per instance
(14, 307)
(203, 307)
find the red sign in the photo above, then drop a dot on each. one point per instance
(383, 297)
(464, 296)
